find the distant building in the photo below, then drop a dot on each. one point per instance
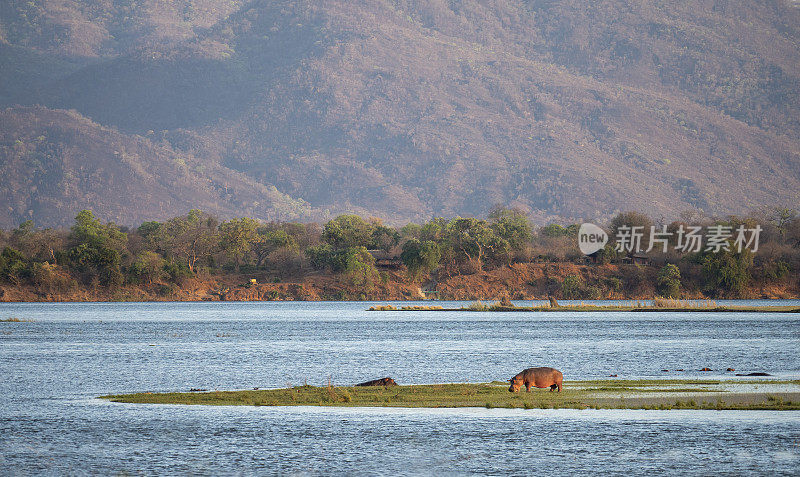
(637, 259)
(385, 259)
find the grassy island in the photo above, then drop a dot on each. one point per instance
(598, 394)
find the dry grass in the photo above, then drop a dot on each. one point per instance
(382, 308)
(674, 303)
(477, 306)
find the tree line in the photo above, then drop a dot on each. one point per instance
(164, 254)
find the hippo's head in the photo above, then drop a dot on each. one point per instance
(516, 383)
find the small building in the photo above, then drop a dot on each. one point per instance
(637, 259)
(385, 259)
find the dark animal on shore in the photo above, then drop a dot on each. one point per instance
(754, 374)
(553, 302)
(379, 382)
(538, 377)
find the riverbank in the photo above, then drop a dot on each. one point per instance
(595, 394)
(518, 281)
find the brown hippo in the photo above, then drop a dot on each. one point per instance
(539, 377)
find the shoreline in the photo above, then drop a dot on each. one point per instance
(599, 308)
(595, 394)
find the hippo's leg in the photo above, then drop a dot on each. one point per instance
(559, 387)
(553, 387)
(528, 387)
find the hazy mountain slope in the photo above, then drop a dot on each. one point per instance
(468, 126)
(55, 163)
(405, 109)
(92, 28)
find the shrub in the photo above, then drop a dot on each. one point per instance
(614, 283)
(668, 282)
(177, 272)
(420, 256)
(148, 267)
(572, 288)
(50, 279)
(726, 271)
(320, 256)
(13, 266)
(593, 293)
(775, 270)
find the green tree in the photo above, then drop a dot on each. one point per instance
(359, 265)
(782, 217)
(237, 237)
(148, 267)
(347, 231)
(726, 272)
(191, 237)
(269, 241)
(555, 230)
(632, 219)
(511, 225)
(321, 256)
(152, 234)
(668, 282)
(420, 257)
(94, 262)
(572, 288)
(13, 265)
(474, 240)
(606, 254)
(435, 230)
(99, 250)
(88, 230)
(384, 238)
(411, 231)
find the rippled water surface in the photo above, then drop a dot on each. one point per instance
(54, 367)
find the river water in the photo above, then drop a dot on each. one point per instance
(55, 366)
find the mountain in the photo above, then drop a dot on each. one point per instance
(55, 163)
(409, 109)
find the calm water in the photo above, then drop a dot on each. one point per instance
(53, 368)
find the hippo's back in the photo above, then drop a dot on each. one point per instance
(543, 371)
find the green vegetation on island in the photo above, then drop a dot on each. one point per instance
(596, 394)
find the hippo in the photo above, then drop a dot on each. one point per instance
(539, 377)
(379, 382)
